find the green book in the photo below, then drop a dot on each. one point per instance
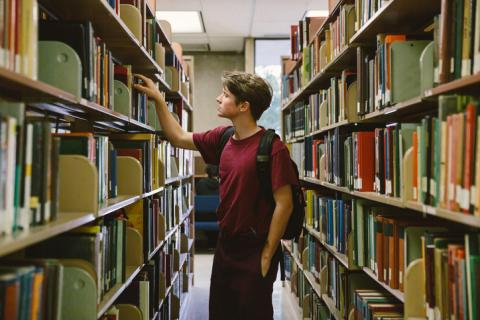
(405, 142)
(472, 264)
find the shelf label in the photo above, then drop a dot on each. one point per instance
(424, 184)
(388, 186)
(376, 185)
(433, 187)
(465, 199)
(459, 194)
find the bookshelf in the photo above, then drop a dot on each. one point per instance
(327, 154)
(158, 177)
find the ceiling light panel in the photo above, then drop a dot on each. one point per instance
(183, 21)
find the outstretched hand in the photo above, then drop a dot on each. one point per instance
(148, 87)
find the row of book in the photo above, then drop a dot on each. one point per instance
(102, 245)
(312, 305)
(365, 10)
(385, 72)
(33, 287)
(443, 171)
(337, 285)
(30, 160)
(96, 59)
(28, 182)
(316, 50)
(387, 242)
(175, 70)
(457, 33)
(331, 218)
(100, 69)
(18, 44)
(327, 107)
(148, 290)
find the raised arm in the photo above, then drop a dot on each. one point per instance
(172, 129)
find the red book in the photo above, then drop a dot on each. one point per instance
(135, 153)
(470, 120)
(366, 157)
(293, 41)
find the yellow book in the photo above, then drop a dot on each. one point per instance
(88, 229)
(133, 136)
(135, 216)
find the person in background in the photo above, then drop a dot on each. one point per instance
(251, 223)
(208, 186)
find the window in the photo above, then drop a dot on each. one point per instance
(267, 65)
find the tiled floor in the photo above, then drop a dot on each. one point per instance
(283, 304)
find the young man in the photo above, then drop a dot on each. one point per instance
(251, 224)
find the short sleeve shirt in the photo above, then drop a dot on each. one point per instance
(242, 207)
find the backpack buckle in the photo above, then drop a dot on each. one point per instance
(263, 158)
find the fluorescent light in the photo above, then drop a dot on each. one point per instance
(183, 21)
(316, 13)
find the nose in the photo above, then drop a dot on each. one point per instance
(218, 99)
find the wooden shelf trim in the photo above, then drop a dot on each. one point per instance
(311, 279)
(396, 16)
(153, 192)
(395, 292)
(342, 258)
(455, 216)
(65, 222)
(111, 29)
(117, 203)
(177, 179)
(329, 127)
(294, 140)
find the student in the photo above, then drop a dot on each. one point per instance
(208, 186)
(251, 224)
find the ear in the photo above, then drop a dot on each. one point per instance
(244, 106)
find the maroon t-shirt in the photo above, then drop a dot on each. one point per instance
(242, 207)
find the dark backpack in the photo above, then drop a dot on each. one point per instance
(295, 223)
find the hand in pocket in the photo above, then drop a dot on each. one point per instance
(265, 262)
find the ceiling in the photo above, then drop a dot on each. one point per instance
(229, 22)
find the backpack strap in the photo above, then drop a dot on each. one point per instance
(226, 134)
(263, 161)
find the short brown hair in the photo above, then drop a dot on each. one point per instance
(251, 88)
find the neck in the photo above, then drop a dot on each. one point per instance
(245, 128)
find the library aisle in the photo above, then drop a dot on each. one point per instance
(106, 202)
(284, 306)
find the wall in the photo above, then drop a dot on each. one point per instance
(207, 85)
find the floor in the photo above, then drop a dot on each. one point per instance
(283, 304)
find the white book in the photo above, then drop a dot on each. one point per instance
(25, 216)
